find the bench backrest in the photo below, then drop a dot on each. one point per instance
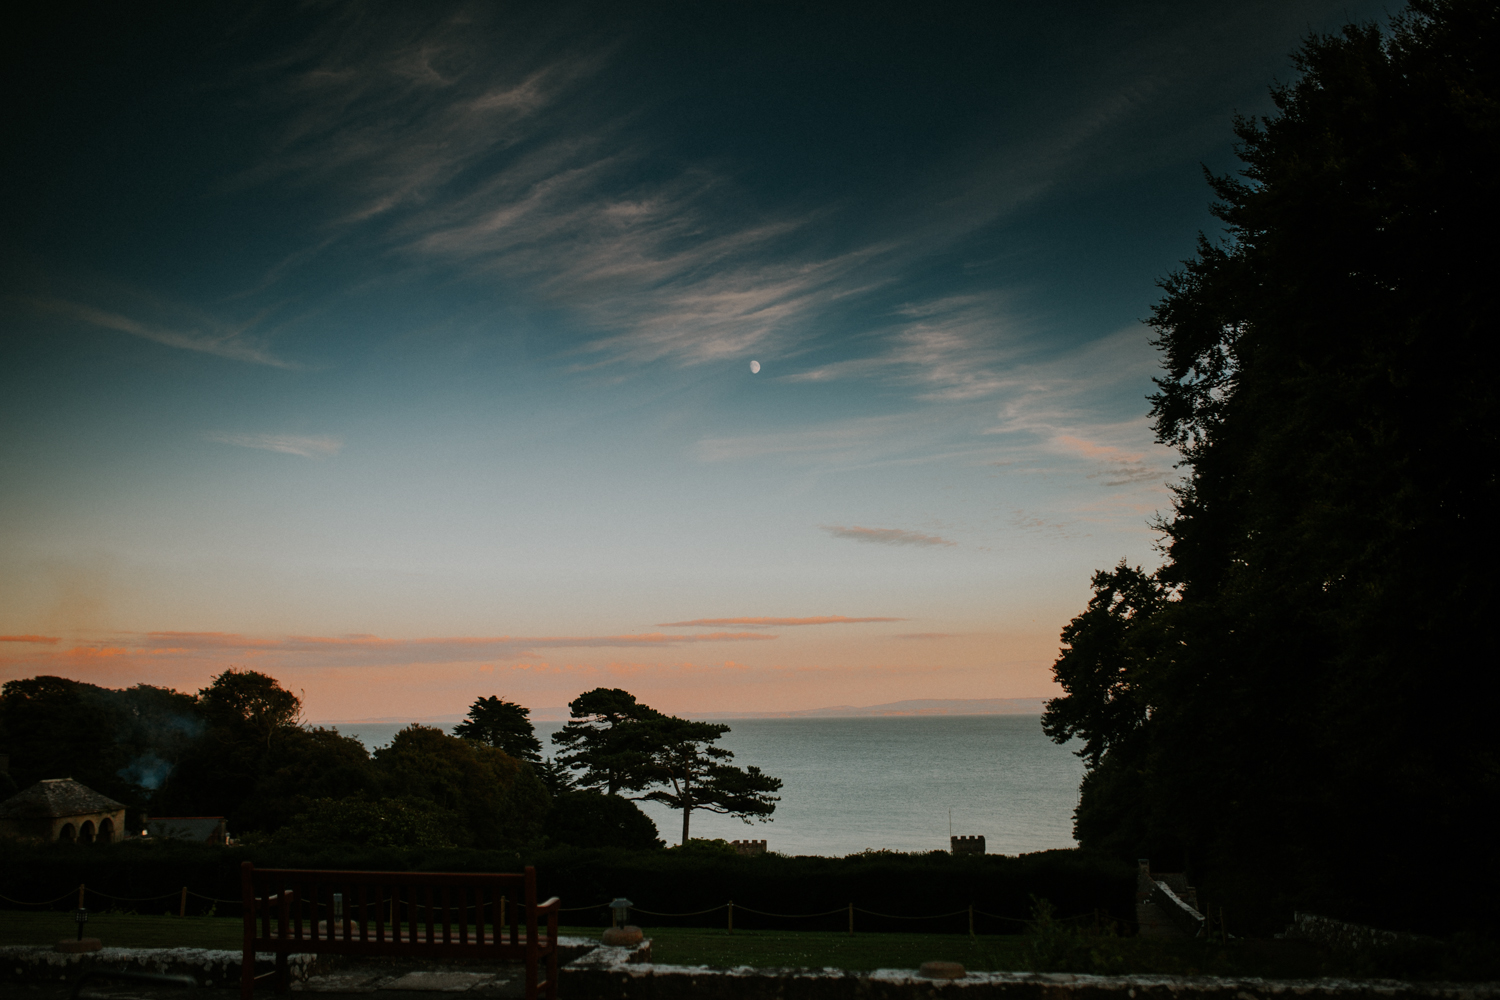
(393, 912)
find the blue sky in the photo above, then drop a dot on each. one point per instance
(403, 351)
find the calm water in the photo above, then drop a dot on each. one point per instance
(852, 784)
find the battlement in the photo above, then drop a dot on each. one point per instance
(966, 845)
(749, 848)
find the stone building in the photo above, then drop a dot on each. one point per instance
(966, 845)
(62, 809)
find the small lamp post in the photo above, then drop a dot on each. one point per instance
(619, 934)
(80, 917)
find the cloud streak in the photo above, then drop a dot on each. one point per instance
(307, 446)
(232, 343)
(885, 536)
(772, 622)
(348, 650)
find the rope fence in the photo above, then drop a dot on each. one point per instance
(82, 892)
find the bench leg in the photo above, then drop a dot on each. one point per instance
(283, 973)
(552, 975)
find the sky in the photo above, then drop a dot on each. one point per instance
(404, 351)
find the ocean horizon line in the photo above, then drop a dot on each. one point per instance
(908, 707)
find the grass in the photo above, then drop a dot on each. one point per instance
(122, 930)
(672, 945)
(820, 949)
(1056, 949)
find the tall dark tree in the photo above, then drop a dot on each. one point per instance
(247, 716)
(1313, 711)
(1104, 668)
(607, 741)
(503, 725)
(697, 774)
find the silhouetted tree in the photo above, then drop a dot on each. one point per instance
(1306, 711)
(699, 775)
(498, 800)
(247, 716)
(504, 725)
(607, 741)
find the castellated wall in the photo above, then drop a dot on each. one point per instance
(966, 845)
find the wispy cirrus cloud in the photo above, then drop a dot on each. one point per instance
(232, 342)
(885, 536)
(1120, 467)
(41, 640)
(305, 445)
(771, 622)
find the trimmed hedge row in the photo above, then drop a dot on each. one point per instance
(127, 876)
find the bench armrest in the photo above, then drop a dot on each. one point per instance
(552, 904)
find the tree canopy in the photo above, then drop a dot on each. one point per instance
(503, 725)
(606, 739)
(622, 746)
(1291, 703)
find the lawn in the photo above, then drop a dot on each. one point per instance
(673, 945)
(1463, 960)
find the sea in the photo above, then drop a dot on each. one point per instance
(896, 783)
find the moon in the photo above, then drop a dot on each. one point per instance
(754, 367)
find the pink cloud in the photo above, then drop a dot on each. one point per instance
(1089, 449)
(47, 640)
(885, 536)
(768, 622)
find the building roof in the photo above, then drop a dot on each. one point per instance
(55, 798)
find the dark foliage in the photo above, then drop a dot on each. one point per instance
(605, 740)
(621, 745)
(670, 881)
(591, 819)
(503, 725)
(1303, 712)
(122, 743)
(307, 765)
(498, 800)
(697, 775)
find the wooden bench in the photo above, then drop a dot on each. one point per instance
(398, 915)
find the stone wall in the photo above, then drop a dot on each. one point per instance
(966, 845)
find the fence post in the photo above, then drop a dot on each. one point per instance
(182, 908)
(731, 916)
(851, 918)
(80, 895)
(971, 920)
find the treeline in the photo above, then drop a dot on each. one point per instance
(673, 882)
(1299, 705)
(239, 749)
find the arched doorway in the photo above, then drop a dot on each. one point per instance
(67, 834)
(86, 832)
(106, 830)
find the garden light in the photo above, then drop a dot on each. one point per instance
(621, 908)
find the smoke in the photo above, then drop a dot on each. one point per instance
(148, 770)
